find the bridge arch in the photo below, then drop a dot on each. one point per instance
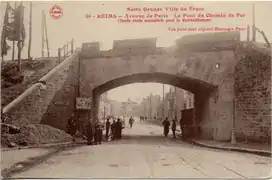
(202, 91)
(203, 67)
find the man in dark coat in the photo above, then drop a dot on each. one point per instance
(108, 124)
(71, 126)
(166, 125)
(90, 133)
(100, 133)
(174, 127)
(113, 129)
(131, 120)
(118, 128)
(96, 133)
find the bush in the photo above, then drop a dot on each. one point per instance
(11, 75)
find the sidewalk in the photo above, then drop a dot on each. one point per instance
(254, 148)
(14, 158)
(10, 158)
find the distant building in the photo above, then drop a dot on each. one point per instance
(175, 101)
(116, 108)
(128, 108)
(104, 106)
(150, 106)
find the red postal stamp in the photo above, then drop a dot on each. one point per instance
(56, 12)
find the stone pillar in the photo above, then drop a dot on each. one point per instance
(194, 125)
(95, 107)
(225, 110)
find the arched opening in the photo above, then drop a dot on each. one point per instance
(201, 90)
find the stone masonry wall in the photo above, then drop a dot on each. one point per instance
(253, 97)
(62, 105)
(31, 109)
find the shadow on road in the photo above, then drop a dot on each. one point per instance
(149, 140)
(33, 161)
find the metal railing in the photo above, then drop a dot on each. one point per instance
(65, 51)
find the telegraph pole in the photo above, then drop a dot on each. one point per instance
(248, 32)
(175, 99)
(253, 23)
(13, 42)
(150, 110)
(30, 31)
(144, 109)
(104, 115)
(163, 102)
(42, 34)
(19, 44)
(46, 37)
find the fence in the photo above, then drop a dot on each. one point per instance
(65, 51)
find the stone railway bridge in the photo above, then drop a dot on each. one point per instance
(229, 78)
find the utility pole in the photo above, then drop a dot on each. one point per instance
(104, 114)
(44, 35)
(233, 132)
(30, 31)
(150, 110)
(248, 32)
(47, 45)
(19, 44)
(253, 23)
(163, 102)
(144, 109)
(13, 42)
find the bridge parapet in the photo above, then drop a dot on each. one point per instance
(90, 50)
(208, 42)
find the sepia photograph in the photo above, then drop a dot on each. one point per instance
(136, 89)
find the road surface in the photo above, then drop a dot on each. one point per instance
(145, 153)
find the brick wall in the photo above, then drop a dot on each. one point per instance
(253, 97)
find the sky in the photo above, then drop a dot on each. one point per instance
(73, 24)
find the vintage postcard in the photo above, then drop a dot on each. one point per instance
(136, 89)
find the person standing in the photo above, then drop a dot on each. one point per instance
(131, 120)
(96, 133)
(174, 126)
(71, 127)
(90, 133)
(100, 133)
(113, 125)
(166, 125)
(118, 129)
(107, 128)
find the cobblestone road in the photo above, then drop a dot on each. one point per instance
(145, 153)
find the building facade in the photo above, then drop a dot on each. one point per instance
(150, 106)
(116, 108)
(128, 108)
(104, 106)
(174, 102)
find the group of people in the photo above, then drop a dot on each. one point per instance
(94, 134)
(166, 126)
(114, 129)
